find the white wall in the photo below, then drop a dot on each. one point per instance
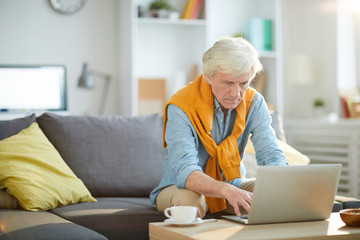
(346, 59)
(309, 29)
(31, 32)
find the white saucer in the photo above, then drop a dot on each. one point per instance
(172, 221)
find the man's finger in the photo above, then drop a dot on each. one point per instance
(246, 205)
(237, 210)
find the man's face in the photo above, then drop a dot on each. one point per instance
(229, 89)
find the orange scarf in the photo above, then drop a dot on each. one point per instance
(196, 100)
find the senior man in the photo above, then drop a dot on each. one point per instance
(206, 128)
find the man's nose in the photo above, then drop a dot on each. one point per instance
(236, 92)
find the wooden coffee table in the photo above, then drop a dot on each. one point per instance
(332, 228)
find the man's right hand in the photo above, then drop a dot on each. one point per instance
(203, 184)
(237, 198)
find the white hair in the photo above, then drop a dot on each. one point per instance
(232, 56)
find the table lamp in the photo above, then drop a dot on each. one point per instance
(86, 80)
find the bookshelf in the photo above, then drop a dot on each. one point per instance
(168, 48)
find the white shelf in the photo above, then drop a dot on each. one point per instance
(197, 22)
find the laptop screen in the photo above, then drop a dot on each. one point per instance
(25, 88)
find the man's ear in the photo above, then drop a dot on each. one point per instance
(207, 79)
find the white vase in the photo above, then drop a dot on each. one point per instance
(319, 111)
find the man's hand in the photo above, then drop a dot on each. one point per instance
(203, 184)
(237, 198)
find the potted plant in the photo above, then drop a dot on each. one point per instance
(318, 105)
(159, 8)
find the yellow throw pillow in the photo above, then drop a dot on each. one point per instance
(32, 170)
(293, 156)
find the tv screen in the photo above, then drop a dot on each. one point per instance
(25, 88)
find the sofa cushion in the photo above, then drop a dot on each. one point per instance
(293, 157)
(12, 127)
(277, 125)
(20, 224)
(337, 206)
(115, 218)
(119, 156)
(348, 202)
(33, 171)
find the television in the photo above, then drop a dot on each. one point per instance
(32, 88)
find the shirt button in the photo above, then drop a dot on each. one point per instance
(221, 120)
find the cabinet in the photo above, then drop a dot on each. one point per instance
(330, 142)
(167, 49)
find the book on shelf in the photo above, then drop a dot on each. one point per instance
(355, 109)
(192, 9)
(350, 106)
(196, 10)
(260, 33)
(345, 108)
(185, 9)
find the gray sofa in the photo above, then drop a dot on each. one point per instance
(119, 159)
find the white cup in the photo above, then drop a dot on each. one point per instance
(181, 213)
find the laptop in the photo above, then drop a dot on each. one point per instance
(292, 194)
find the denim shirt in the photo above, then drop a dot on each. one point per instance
(186, 153)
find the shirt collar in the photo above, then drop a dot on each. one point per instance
(217, 106)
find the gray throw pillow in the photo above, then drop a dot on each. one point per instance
(114, 156)
(12, 127)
